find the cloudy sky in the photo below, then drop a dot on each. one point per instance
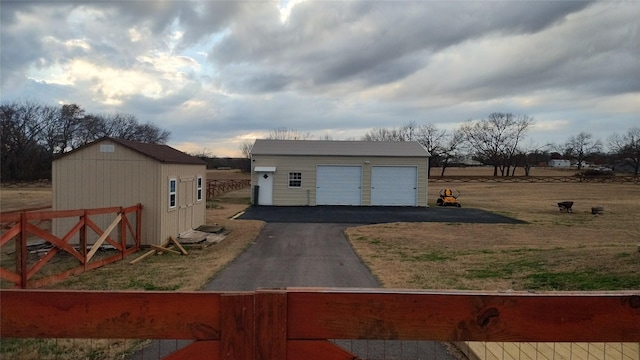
(215, 73)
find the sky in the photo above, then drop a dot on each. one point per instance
(219, 73)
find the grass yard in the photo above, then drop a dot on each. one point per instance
(554, 251)
(161, 272)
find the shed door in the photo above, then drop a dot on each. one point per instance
(338, 185)
(186, 203)
(394, 185)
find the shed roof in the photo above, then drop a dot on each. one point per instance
(162, 153)
(339, 148)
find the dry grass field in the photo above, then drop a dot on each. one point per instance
(553, 251)
(167, 271)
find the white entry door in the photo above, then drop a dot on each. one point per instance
(265, 190)
(394, 185)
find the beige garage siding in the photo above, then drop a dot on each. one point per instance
(283, 195)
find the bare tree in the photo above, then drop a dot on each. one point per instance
(451, 149)
(405, 133)
(126, 126)
(581, 146)
(22, 155)
(283, 133)
(529, 157)
(627, 148)
(495, 140)
(33, 133)
(203, 154)
(245, 148)
(432, 139)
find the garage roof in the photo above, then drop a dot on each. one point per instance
(339, 148)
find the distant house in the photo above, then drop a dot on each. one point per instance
(109, 172)
(559, 163)
(356, 173)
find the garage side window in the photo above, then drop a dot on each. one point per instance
(295, 179)
(173, 192)
(199, 188)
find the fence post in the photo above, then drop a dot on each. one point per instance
(237, 326)
(271, 324)
(138, 225)
(21, 251)
(83, 239)
(123, 232)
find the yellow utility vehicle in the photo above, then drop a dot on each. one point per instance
(448, 198)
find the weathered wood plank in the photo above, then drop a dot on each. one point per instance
(44, 235)
(14, 277)
(464, 316)
(142, 257)
(237, 326)
(271, 324)
(177, 243)
(10, 233)
(163, 249)
(99, 314)
(103, 237)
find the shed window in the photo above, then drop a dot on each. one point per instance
(295, 179)
(199, 188)
(172, 193)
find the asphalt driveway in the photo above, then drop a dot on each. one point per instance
(296, 255)
(306, 247)
(372, 215)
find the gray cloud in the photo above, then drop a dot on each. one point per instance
(219, 69)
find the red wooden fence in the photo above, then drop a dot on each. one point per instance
(19, 227)
(295, 323)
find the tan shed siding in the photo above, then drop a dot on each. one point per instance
(306, 195)
(171, 221)
(90, 179)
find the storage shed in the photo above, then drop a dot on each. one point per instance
(356, 173)
(114, 172)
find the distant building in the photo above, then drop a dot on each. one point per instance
(559, 163)
(356, 173)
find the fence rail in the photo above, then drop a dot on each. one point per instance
(296, 323)
(536, 179)
(218, 187)
(18, 226)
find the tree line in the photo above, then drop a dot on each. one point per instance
(33, 134)
(498, 141)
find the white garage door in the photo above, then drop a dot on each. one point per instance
(338, 185)
(394, 185)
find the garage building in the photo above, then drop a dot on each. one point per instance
(352, 173)
(114, 172)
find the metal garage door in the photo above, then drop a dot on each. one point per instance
(394, 185)
(338, 185)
